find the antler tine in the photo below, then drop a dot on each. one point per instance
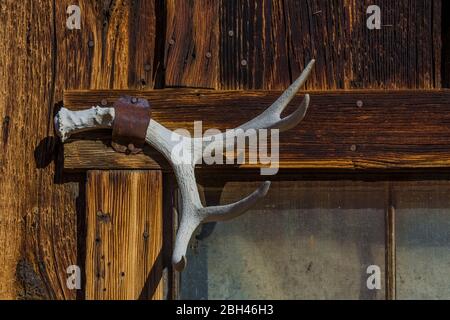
(193, 213)
(234, 210)
(270, 118)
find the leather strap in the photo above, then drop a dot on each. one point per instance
(132, 118)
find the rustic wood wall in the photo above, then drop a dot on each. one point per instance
(41, 215)
(149, 44)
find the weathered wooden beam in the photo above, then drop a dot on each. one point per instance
(124, 258)
(342, 129)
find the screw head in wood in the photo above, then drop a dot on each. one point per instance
(171, 42)
(244, 62)
(91, 43)
(231, 33)
(353, 148)
(359, 103)
(208, 55)
(104, 102)
(134, 100)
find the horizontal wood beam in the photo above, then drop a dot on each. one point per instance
(342, 130)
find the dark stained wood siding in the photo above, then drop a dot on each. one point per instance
(265, 44)
(192, 43)
(278, 38)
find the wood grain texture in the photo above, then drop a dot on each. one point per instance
(98, 154)
(391, 130)
(390, 242)
(192, 46)
(40, 233)
(124, 235)
(115, 48)
(277, 38)
(445, 62)
(37, 212)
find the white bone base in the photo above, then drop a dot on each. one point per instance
(70, 122)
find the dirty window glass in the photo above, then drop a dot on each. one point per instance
(423, 240)
(305, 240)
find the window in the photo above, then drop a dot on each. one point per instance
(316, 240)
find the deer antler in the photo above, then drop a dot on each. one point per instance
(193, 213)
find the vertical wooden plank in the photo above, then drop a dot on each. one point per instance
(146, 44)
(37, 207)
(170, 221)
(124, 235)
(192, 49)
(390, 259)
(253, 45)
(115, 48)
(445, 46)
(277, 38)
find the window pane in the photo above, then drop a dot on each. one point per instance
(305, 240)
(423, 240)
